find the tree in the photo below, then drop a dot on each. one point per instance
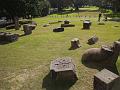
(60, 4)
(21, 8)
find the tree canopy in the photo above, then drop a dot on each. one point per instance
(23, 7)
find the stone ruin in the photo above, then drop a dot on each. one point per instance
(63, 69)
(75, 43)
(8, 37)
(104, 57)
(86, 24)
(27, 28)
(67, 24)
(11, 26)
(58, 29)
(105, 80)
(92, 40)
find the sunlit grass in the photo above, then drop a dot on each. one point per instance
(43, 45)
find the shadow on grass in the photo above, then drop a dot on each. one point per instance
(4, 42)
(75, 11)
(100, 65)
(50, 84)
(90, 43)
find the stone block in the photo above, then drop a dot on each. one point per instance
(67, 25)
(86, 24)
(58, 29)
(93, 40)
(105, 80)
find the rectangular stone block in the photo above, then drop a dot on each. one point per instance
(104, 80)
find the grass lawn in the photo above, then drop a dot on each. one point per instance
(24, 65)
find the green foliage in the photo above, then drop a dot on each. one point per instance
(24, 7)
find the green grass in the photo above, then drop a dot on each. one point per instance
(24, 65)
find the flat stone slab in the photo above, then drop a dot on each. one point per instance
(67, 25)
(58, 29)
(8, 37)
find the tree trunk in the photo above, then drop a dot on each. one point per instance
(16, 19)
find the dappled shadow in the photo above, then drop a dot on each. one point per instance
(50, 84)
(74, 11)
(100, 65)
(72, 48)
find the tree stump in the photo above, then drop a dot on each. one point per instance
(92, 40)
(58, 29)
(75, 43)
(105, 80)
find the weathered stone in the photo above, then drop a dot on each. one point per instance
(66, 22)
(11, 37)
(106, 56)
(27, 29)
(75, 43)
(11, 26)
(8, 37)
(67, 25)
(86, 24)
(34, 23)
(63, 69)
(58, 29)
(92, 40)
(105, 80)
